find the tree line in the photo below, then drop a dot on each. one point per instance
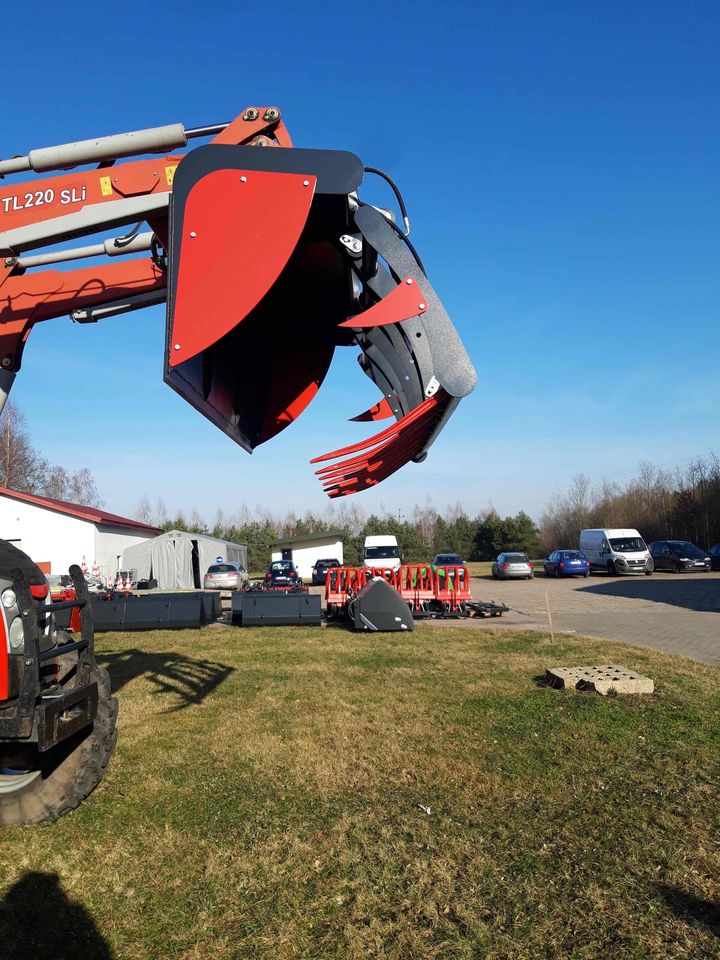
(421, 535)
(23, 468)
(683, 504)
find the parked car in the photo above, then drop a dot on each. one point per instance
(226, 576)
(282, 573)
(679, 556)
(447, 560)
(714, 552)
(319, 571)
(618, 551)
(512, 566)
(567, 563)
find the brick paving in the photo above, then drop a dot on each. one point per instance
(675, 613)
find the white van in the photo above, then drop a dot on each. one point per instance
(617, 551)
(381, 551)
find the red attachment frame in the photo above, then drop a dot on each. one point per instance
(417, 585)
(452, 586)
(403, 302)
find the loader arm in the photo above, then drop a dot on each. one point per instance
(267, 259)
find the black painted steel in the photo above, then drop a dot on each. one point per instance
(378, 607)
(163, 611)
(264, 608)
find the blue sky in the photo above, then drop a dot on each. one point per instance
(560, 163)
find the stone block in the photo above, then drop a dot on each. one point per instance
(602, 679)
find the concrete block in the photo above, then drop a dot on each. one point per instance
(602, 679)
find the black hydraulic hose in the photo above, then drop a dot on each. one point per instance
(396, 191)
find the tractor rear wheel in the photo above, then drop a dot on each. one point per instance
(43, 786)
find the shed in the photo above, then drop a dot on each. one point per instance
(178, 559)
(307, 549)
(57, 533)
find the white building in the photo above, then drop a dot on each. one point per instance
(56, 534)
(304, 551)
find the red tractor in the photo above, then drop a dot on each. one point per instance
(268, 259)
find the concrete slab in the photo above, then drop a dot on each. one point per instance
(602, 679)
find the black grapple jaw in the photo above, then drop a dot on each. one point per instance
(273, 262)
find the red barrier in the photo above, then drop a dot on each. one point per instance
(385, 573)
(340, 582)
(452, 587)
(416, 585)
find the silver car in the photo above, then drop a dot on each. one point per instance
(226, 576)
(512, 566)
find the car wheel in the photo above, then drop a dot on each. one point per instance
(677, 567)
(611, 569)
(587, 574)
(648, 573)
(556, 573)
(547, 574)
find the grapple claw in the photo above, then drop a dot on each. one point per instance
(272, 249)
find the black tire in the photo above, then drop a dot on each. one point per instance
(67, 774)
(677, 567)
(587, 574)
(611, 569)
(649, 573)
(556, 573)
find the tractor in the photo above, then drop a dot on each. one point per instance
(267, 259)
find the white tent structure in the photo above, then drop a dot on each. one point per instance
(180, 560)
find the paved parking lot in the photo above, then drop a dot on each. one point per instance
(677, 613)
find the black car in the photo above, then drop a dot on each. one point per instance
(282, 573)
(446, 560)
(714, 552)
(321, 567)
(678, 556)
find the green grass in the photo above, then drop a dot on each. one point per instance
(266, 796)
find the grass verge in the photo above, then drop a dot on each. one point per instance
(287, 793)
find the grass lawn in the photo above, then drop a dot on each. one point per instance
(312, 793)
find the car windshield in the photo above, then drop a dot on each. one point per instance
(572, 555)
(628, 544)
(222, 568)
(381, 553)
(280, 565)
(515, 558)
(328, 563)
(685, 549)
(447, 558)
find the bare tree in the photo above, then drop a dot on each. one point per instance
(21, 466)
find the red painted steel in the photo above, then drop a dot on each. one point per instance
(380, 456)
(402, 303)
(417, 585)
(238, 235)
(381, 411)
(452, 586)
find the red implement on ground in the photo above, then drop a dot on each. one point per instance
(268, 260)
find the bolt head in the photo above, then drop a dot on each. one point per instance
(193, 234)
(6, 361)
(243, 179)
(422, 306)
(9, 261)
(176, 346)
(306, 183)
(409, 280)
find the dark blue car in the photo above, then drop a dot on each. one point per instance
(567, 563)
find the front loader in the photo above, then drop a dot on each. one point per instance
(267, 259)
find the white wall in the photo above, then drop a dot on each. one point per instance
(110, 542)
(47, 536)
(305, 554)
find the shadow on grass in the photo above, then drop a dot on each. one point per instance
(693, 593)
(37, 919)
(170, 673)
(692, 909)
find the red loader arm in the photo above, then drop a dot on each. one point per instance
(268, 260)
